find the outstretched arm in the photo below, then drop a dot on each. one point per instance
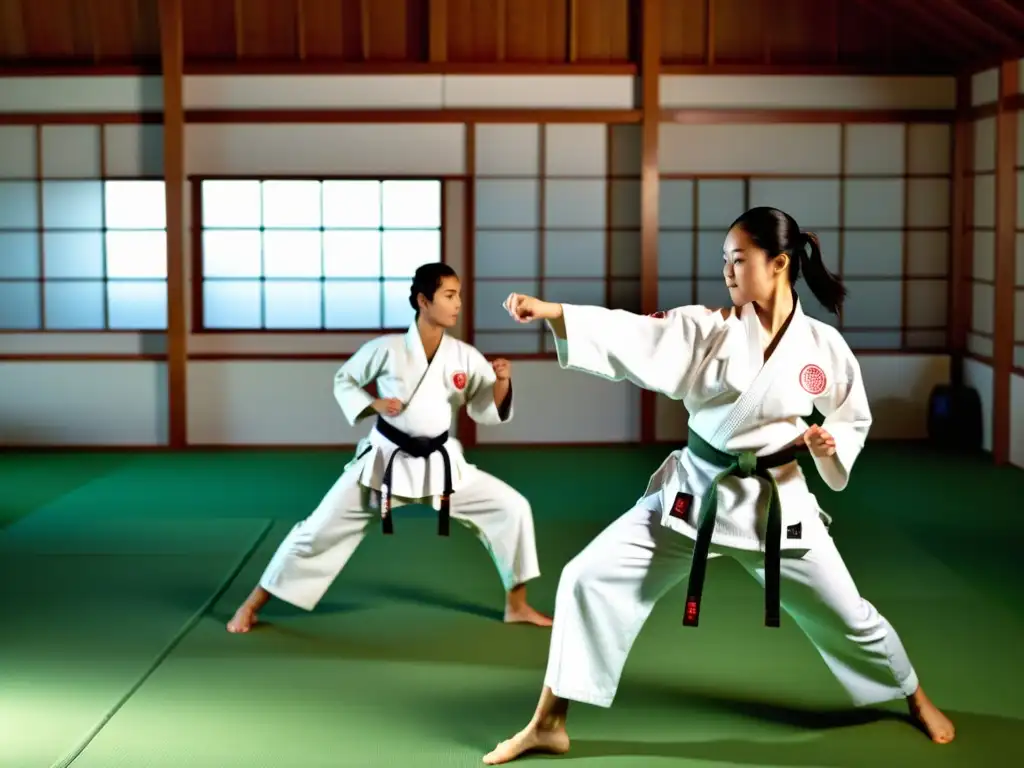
(655, 352)
(357, 372)
(837, 443)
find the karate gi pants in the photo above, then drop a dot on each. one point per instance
(317, 548)
(606, 593)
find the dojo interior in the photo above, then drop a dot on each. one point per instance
(207, 205)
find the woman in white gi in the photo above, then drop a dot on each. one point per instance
(409, 457)
(748, 377)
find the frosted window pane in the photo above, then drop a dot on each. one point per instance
(135, 205)
(291, 204)
(814, 203)
(136, 254)
(713, 293)
(352, 253)
(74, 306)
(506, 254)
(414, 204)
(232, 254)
(231, 204)
(352, 304)
(675, 203)
(19, 255)
(508, 343)
(19, 306)
(405, 251)
(507, 204)
(489, 315)
(73, 254)
(232, 304)
(292, 254)
(351, 204)
(19, 207)
(674, 293)
(719, 202)
(872, 304)
(73, 204)
(398, 312)
(580, 292)
(675, 254)
(873, 203)
(872, 254)
(710, 247)
(137, 305)
(292, 304)
(574, 254)
(575, 203)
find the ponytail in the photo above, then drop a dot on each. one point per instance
(827, 288)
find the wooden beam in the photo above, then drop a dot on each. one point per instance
(650, 122)
(438, 45)
(961, 237)
(1005, 258)
(172, 57)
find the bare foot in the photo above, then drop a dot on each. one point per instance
(938, 727)
(526, 614)
(245, 616)
(243, 620)
(533, 738)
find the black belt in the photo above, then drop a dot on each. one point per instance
(745, 464)
(420, 448)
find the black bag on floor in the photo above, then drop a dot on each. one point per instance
(955, 418)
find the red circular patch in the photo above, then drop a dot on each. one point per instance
(459, 380)
(812, 378)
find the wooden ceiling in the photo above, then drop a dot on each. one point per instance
(897, 36)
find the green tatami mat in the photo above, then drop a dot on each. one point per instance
(30, 480)
(406, 663)
(87, 613)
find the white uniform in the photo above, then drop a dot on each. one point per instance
(316, 549)
(737, 402)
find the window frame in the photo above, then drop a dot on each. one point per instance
(41, 230)
(195, 258)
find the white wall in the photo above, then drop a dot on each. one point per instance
(531, 181)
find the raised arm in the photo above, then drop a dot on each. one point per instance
(847, 418)
(357, 373)
(488, 398)
(655, 352)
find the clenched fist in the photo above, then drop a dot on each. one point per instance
(502, 369)
(523, 308)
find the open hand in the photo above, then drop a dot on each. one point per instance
(502, 369)
(819, 442)
(523, 308)
(388, 406)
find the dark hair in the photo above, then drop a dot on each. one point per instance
(777, 232)
(427, 280)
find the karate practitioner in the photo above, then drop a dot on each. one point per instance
(748, 377)
(409, 457)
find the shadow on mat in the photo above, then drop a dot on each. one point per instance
(844, 738)
(434, 599)
(838, 741)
